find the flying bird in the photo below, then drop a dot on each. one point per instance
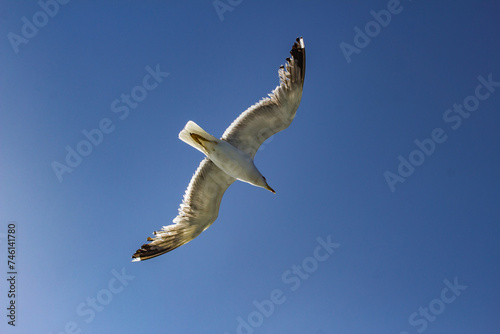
(230, 158)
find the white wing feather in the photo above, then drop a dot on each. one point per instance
(274, 113)
(198, 210)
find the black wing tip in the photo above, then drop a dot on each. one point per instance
(141, 253)
(298, 53)
(136, 257)
(158, 246)
(148, 251)
(298, 47)
(299, 43)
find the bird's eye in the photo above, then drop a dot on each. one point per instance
(264, 178)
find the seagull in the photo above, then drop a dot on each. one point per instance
(230, 158)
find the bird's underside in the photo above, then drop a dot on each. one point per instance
(200, 205)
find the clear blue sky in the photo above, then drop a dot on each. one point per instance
(418, 92)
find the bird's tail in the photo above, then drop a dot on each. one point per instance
(195, 136)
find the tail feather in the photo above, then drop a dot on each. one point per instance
(192, 128)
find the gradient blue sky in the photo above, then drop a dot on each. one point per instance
(398, 246)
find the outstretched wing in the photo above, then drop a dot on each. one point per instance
(197, 212)
(274, 113)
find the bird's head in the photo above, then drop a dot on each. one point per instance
(263, 183)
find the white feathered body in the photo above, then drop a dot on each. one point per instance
(228, 158)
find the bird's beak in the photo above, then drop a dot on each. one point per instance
(270, 189)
